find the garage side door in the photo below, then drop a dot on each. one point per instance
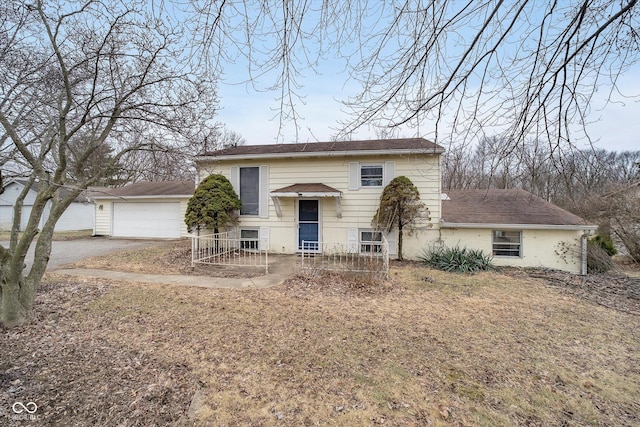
(155, 220)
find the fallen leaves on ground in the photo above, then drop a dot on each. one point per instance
(172, 257)
(425, 348)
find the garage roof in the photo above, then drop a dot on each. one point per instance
(508, 207)
(149, 189)
(64, 190)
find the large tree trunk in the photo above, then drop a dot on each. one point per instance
(17, 290)
(12, 311)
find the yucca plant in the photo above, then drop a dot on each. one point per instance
(456, 259)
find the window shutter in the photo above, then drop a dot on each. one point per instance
(393, 244)
(352, 240)
(263, 209)
(263, 235)
(234, 178)
(389, 172)
(354, 176)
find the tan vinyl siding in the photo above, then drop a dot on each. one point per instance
(103, 217)
(183, 210)
(358, 206)
(557, 249)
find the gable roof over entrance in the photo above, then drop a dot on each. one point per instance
(306, 190)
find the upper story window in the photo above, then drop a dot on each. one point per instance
(507, 243)
(371, 175)
(250, 190)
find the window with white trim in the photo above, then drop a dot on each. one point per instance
(507, 243)
(371, 175)
(250, 190)
(249, 238)
(370, 241)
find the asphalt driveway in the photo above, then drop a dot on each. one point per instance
(68, 251)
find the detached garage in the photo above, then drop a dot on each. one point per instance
(78, 216)
(152, 210)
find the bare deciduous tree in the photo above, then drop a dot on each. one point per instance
(527, 69)
(77, 81)
(599, 185)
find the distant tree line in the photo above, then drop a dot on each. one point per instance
(564, 178)
(599, 185)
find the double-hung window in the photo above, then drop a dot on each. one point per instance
(371, 175)
(250, 190)
(370, 241)
(507, 243)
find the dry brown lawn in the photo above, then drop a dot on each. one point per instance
(426, 348)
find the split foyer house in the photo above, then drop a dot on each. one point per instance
(329, 192)
(326, 192)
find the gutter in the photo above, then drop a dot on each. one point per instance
(350, 153)
(583, 251)
(570, 227)
(158, 196)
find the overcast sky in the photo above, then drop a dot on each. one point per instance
(614, 126)
(254, 114)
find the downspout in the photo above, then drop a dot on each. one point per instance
(583, 251)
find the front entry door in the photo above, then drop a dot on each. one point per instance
(308, 224)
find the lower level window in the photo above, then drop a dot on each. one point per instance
(507, 243)
(249, 239)
(370, 241)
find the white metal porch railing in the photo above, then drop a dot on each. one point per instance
(343, 257)
(229, 248)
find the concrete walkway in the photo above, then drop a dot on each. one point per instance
(176, 279)
(280, 268)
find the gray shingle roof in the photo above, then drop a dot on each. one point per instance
(390, 145)
(512, 206)
(64, 191)
(149, 188)
(307, 188)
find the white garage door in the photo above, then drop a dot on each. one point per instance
(161, 219)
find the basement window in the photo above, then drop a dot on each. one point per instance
(507, 243)
(370, 242)
(249, 238)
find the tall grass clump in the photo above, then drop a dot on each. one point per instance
(598, 257)
(456, 259)
(605, 243)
